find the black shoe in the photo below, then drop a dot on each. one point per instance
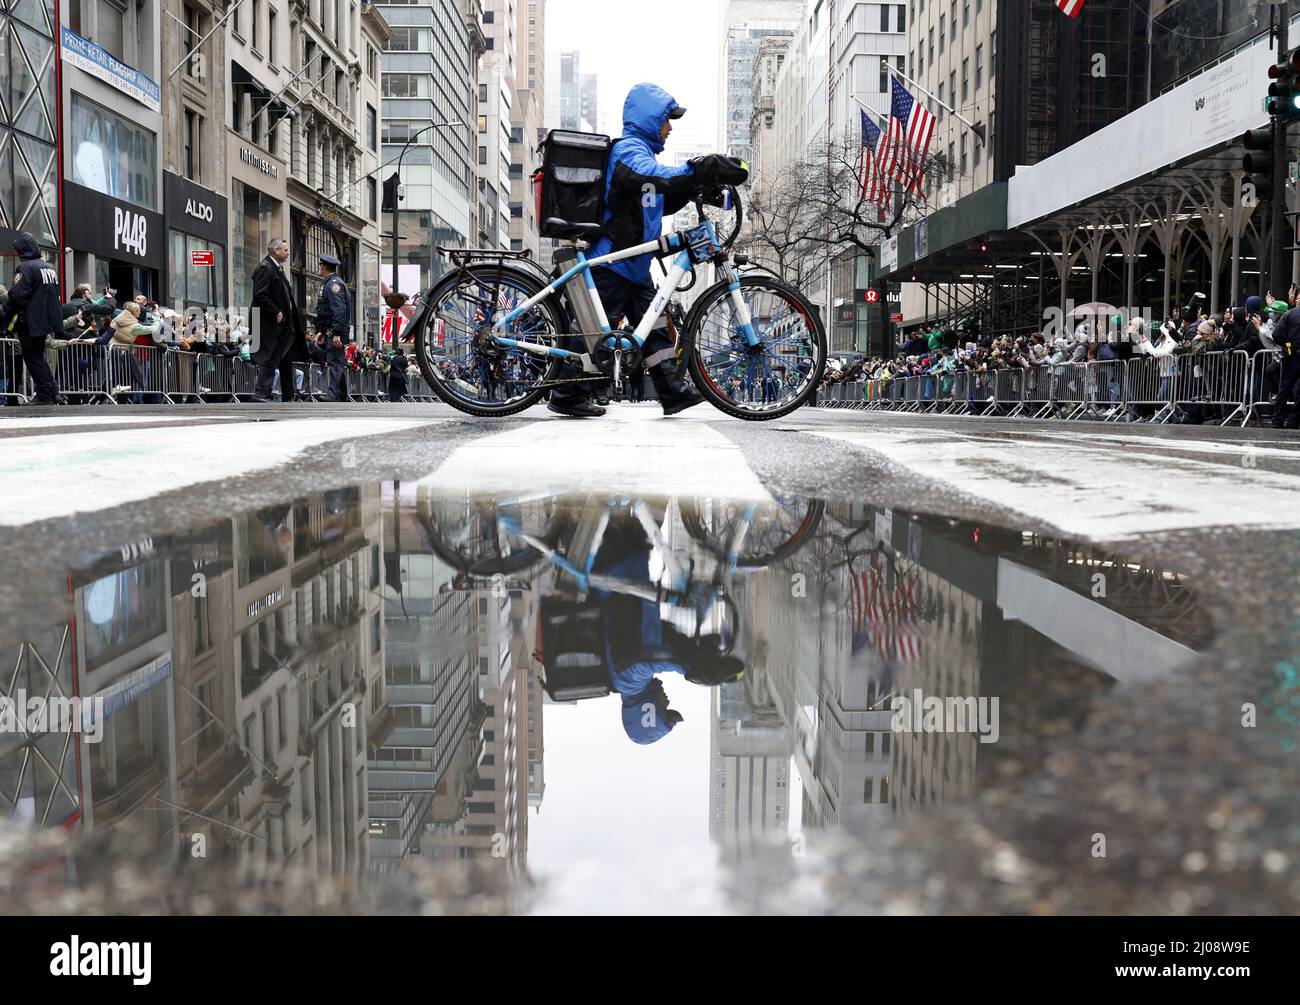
(675, 393)
(576, 408)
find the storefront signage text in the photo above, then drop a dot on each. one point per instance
(130, 231)
(270, 600)
(263, 165)
(86, 56)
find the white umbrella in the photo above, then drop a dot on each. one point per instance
(1094, 310)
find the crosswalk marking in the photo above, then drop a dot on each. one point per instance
(1085, 490)
(624, 452)
(108, 419)
(46, 477)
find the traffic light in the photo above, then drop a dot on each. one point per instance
(1257, 186)
(1284, 91)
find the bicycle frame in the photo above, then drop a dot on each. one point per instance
(682, 264)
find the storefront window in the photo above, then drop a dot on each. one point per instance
(250, 232)
(123, 611)
(113, 156)
(195, 284)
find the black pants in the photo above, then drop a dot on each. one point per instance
(621, 298)
(266, 380)
(33, 348)
(1289, 389)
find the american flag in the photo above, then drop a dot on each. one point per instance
(911, 127)
(1071, 7)
(884, 620)
(873, 183)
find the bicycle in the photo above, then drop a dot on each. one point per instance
(487, 334)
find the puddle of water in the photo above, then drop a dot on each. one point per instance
(387, 699)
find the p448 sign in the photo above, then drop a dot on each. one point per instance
(130, 231)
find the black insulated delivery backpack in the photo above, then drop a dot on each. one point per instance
(570, 185)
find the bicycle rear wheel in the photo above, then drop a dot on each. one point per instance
(768, 380)
(458, 354)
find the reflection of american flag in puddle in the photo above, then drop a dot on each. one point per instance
(883, 619)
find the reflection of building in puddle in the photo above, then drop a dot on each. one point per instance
(446, 783)
(239, 664)
(891, 605)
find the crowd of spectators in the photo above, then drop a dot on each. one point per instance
(941, 353)
(125, 326)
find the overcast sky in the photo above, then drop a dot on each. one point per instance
(673, 43)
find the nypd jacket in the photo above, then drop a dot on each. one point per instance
(334, 308)
(34, 307)
(639, 191)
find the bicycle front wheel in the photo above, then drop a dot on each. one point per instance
(764, 381)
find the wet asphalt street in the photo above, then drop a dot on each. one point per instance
(1148, 762)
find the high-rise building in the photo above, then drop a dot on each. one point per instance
(744, 25)
(496, 99)
(515, 29)
(431, 78)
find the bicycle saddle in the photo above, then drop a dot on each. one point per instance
(566, 231)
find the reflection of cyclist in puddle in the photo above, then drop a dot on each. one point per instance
(639, 646)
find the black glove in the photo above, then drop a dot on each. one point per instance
(719, 169)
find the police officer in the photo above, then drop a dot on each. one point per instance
(333, 321)
(33, 312)
(1286, 336)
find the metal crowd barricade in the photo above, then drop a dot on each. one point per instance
(1068, 395)
(1214, 380)
(243, 379)
(82, 373)
(318, 383)
(981, 390)
(1265, 368)
(1150, 383)
(911, 394)
(180, 376)
(13, 374)
(1108, 382)
(1009, 389)
(214, 376)
(954, 392)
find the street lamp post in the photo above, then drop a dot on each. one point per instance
(395, 299)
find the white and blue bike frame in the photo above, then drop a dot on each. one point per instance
(625, 341)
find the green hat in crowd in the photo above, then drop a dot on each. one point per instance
(1156, 327)
(1277, 307)
(1118, 320)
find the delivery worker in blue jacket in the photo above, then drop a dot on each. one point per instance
(639, 192)
(640, 648)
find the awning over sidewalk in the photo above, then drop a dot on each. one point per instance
(1189, 125)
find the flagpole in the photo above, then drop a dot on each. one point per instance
(978, 130)
(882, 117)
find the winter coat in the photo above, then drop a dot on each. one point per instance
(34, 306)
(634, 174)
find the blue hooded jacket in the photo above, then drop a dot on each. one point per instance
(633, 173)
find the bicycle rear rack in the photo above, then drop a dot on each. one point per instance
(464, 256)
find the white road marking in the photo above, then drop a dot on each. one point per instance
(1088, 491)
(45, 477)
(1226, 448)
(622, 453)
(109, 419)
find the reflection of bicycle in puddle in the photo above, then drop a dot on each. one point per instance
(678, 559)
(505, 543)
